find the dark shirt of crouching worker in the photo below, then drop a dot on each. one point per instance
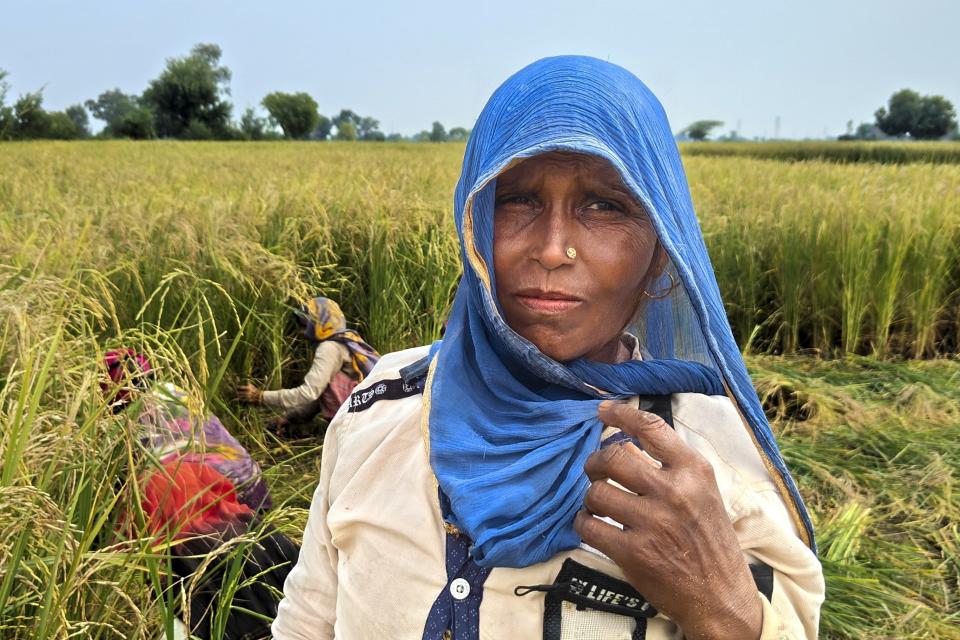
(583, 455)
(341, 359)
(199, 490)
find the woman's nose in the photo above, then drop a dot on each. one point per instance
(551, 238)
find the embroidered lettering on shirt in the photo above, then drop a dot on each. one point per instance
(605, 601)
(599, 595)
(363, 399)
(587, 587)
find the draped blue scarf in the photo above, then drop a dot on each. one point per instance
(510, 428)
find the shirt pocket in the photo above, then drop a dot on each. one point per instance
(586, 604)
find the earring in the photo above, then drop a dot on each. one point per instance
(571, 253)
(666, 292)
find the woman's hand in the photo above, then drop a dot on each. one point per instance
(677, 546)
(249, 393)
(279, 426)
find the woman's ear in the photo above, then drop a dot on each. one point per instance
(658, 265)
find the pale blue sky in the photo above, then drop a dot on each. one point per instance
(813, 63)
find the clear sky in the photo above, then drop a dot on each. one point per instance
(814, 63)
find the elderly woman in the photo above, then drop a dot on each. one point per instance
(583, 455)
(341, 359)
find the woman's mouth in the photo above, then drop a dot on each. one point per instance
(547, 302)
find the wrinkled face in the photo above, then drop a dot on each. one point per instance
(571, 306)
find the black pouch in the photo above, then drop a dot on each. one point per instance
(585, 604)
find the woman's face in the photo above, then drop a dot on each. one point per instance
(571, 307)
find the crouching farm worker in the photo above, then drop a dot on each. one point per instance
(199, 491)
(341, 360)
(583, 455)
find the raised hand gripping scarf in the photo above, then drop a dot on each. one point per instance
(510, 428)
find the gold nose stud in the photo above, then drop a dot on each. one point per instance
(571, 253)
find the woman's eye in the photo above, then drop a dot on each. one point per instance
(603, 205)
(523, 201)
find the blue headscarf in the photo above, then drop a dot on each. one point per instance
(510, 428)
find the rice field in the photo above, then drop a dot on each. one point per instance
(841, 282)
(845, 152)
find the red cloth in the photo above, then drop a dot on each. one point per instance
(336, 393)
(188, 498)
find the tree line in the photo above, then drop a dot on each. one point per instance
(189, 101)
(907, 115)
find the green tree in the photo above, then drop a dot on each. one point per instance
(348, 125)
(252, 126)
(26, 119)
(346, 130)
(137, 124)
(112, 107)
(296, 113)
(352, 126)
(936, 119)
(6, 113)
(346, 115)
(867, 131)
(921, 117)
(60, 126)
(78, 116)
(700, 129)
(30, 120)
(187, 98)
(900, 118)
(369, 129)
(438, 133)
(323, 128)
(458, 134)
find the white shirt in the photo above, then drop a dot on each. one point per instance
(329, 357)
(373, 555)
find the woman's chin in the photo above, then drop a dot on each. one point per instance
(566, 348)
(563, 338)
(557, 347)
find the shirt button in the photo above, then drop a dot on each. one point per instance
(459, 589)
(448, 635)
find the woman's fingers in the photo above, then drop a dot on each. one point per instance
(609, 501)
(665, 465)
(603, 536)
(625, 464)
(249, 393)
(656, 436)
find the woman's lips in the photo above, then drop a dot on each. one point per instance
(547, 302)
